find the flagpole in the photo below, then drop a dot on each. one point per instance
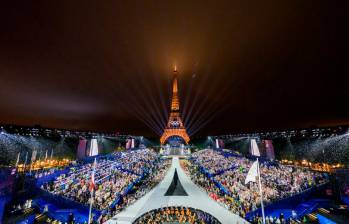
(260, 191)
(90, 211)
(31, 162)
(17, 161)
(25, 162)
(92, 191)
(37, 171)
(14, 170)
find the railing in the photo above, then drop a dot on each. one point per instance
(289, 201)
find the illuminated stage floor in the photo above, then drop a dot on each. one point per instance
(196, 198)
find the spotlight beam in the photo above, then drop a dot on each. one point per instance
(210, 110)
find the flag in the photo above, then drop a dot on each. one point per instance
(252, 173)
(92, 182)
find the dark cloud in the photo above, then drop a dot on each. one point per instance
(107, 65)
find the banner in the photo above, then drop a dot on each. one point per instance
(133, 143)
(93, 147)
(254, 148)
(34, 153)
(221, 143)
(128, 143)
(81, 152)
(269, 149)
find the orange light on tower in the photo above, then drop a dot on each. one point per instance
(175, 126)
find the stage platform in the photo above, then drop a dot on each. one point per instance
(197, 198)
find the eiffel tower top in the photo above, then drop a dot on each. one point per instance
(175, 99)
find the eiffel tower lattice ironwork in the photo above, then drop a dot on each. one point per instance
(175, 126)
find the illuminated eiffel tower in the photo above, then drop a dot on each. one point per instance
(175, 128)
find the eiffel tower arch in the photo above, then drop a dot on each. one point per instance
(175, 130)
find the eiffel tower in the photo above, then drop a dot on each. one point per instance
(175, 127)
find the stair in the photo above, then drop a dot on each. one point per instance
(28, 211)
(312, 217)
(41, 218)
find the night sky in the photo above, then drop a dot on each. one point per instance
(106, 66)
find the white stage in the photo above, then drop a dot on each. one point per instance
(197, 198)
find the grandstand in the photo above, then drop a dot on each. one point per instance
(132, 185)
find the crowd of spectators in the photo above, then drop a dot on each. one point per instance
(279, 181)
(277, 219)
(176, 215)
(213, 161)
(155, 175)
(113, 176)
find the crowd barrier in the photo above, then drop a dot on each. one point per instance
(211, 176)
(6, 189)
(3, 201)
(62, 201)
(28, 220)
(6, 181)
(128, 189)
(127, 171)
(222, 171)
(228, 154)
(289, 202)
(131, 186)
(345, 199)
(50, 177)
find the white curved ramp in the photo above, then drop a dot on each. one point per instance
(197, 198)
